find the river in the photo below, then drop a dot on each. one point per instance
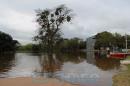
(77, 68)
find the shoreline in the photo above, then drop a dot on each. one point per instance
(123, 77)
(29, 81)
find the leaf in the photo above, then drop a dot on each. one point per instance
(52, 15)
(56, 12)
(68, 18)
(52, 20)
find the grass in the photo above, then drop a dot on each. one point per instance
(128, 66)
(128, 57)
(123, 78)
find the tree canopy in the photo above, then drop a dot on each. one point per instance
(107, 39)
(71, 45)
(7, 43)
(50, 21)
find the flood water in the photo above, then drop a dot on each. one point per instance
(77, 68)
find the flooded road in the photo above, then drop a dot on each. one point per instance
(77, 68)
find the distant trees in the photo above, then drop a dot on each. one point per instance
(120, 40)
(7, 43)
(64, 45)
(29, 47)
(50, 21)
(104, 39)
(107, 39)
(71, 45)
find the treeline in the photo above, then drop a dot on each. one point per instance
(7, 44)
(111, 40)
(70, 45)
(29, 48)
(64, 45)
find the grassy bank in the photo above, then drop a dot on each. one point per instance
(128, 58)
(123, 78)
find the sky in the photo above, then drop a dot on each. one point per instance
(18, 17)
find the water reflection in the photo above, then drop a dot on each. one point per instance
(103, 63)
(107, 63)
(51, 63)
(6, 62)
(57, 65)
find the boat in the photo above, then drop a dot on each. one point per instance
(118, 55)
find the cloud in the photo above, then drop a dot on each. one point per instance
(91, 17)
(20, 25)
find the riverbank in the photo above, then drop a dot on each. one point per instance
(28, 81)
(123, 78)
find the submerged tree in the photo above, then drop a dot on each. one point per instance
(50, 21)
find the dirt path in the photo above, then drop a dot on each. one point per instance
(32, 82)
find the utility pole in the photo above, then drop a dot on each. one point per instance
(126, 42)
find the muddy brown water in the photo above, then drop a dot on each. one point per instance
(76, 68)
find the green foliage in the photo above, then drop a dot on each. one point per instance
(65, 45)
(70, 45)
(128, 37)
(104, 39)
(29, 47)
(50, 21)
(107, 39)
(119, 40)
(7, 43)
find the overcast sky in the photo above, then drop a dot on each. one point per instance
(17, 17)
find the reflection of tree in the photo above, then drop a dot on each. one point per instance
(52, 63)
(73, 57)
(107, 63)
(103, 63)
(6, 62)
